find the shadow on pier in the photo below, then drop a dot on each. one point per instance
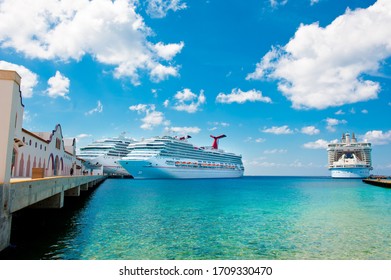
(34, 231)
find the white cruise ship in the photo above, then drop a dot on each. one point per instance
(171, 157)
(104, 155)
(349, 158)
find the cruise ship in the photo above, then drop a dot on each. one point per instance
(349, 158)
(173, 157)
(103, 155)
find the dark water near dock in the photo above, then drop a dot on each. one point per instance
(248, 218)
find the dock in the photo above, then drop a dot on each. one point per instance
(37, 169)
(48, 192)
(385, 183)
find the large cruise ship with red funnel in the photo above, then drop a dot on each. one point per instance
(173, 157)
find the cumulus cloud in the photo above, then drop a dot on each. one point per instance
(278, 130)
(97, 109)
(332, 123)
(322, 67)
(310, 130)
(318, 144)
(184, 130)
(239, 96)
(109, 31)
(168, 51)
(152, 117)
(188, 101)
(29, 78)
(160, 8)
(377, 137)
(58, 86)
(313, 2)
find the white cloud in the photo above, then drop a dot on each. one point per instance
(217, 125)
(183, 130)
(340, 112)
(331, 123)
(82, 136)
(139, 108)
(97, 109)
(364, 111)
(27, 117)
(257, 140)
(377, 137)
(29, 78)
(310, 130)
(168, 51)
(58, 86)
(275, 151)
(278, 130)
(109, 31)
(161, 72)
(324, 67)
(239, 96)
(276, 3)
(152, 117)
(313, 2)
(166, 103)
(160, 8)
(318, 144)
(188, 101)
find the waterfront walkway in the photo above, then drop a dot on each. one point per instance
(48, 192)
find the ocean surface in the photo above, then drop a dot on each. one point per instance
(275, 218)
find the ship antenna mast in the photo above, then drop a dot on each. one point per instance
(215, 144)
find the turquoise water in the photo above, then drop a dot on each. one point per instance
(249, 218)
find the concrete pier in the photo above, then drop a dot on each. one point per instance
(25, 155)
(48, 192)
(385, 183)
(40, 193)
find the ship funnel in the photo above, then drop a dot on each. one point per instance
(215, 144)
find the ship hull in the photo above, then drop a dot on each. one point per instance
(350, 173)
(151, 169)
(109, 164)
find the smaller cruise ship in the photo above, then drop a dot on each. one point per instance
(103, 155)
(349, 158)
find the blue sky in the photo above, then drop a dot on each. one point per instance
(280, 78)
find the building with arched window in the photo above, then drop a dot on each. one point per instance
(48, 152)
